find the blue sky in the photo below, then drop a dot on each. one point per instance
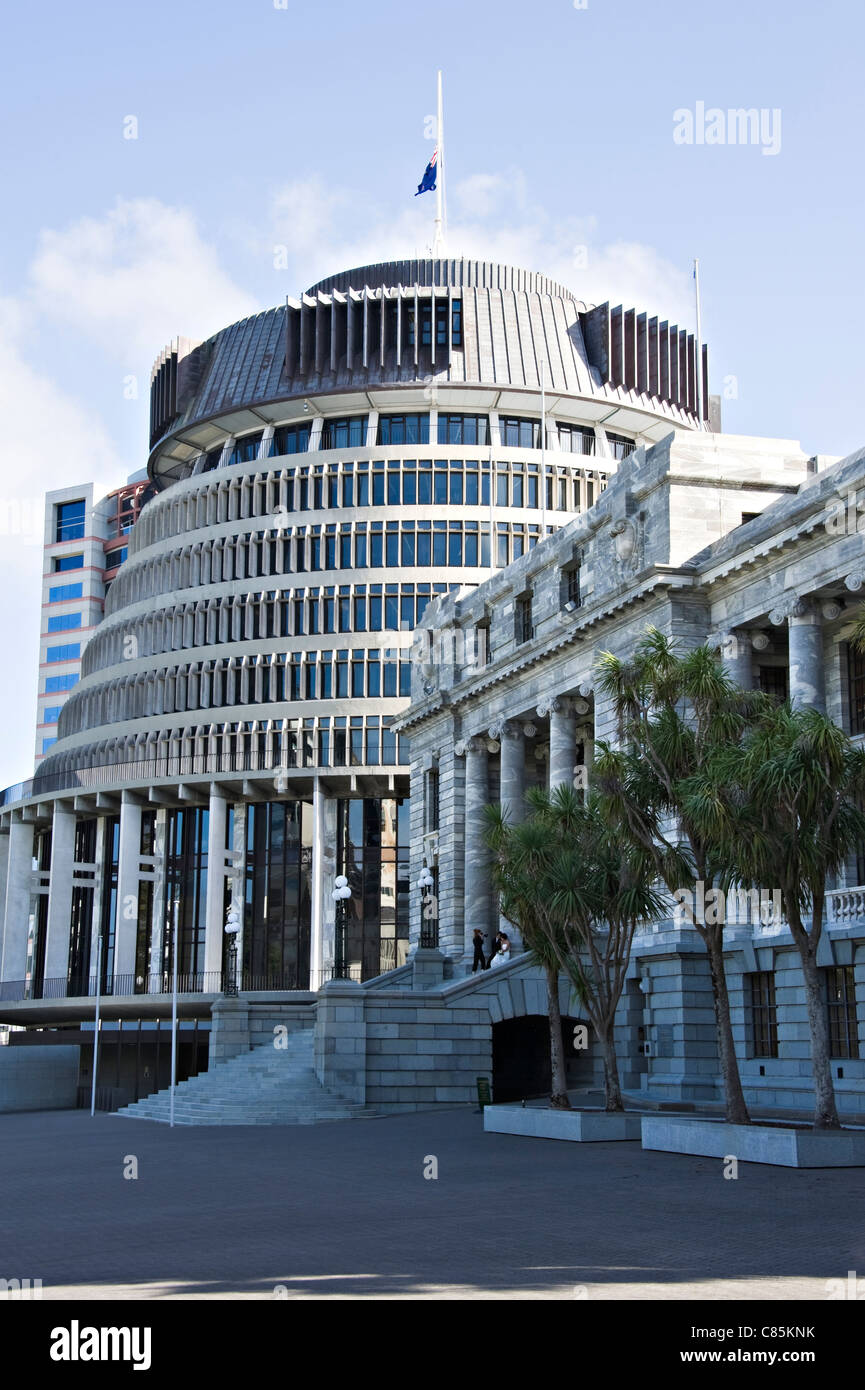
(302, 128)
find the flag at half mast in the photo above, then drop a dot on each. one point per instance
(428, 182)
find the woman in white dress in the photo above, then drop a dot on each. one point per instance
(503, 954)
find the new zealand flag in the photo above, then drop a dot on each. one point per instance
(428, 182)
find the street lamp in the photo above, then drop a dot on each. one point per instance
(232, 927)
(429, 929)
(341, 892)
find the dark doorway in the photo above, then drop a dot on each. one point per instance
(521, 1057)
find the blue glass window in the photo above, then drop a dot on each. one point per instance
(403, 429)
(348, 433)
(51, 714)
(70, 652)
(48, 743)
(63, 591)
(64, 622)
(54, 684)
(68, 562)
(69, 521)
(291, 439)
(463, 429)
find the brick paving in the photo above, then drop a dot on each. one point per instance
(343, 1210)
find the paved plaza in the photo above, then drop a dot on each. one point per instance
(344, 1210)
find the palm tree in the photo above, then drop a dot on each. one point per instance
(783, 806)
(520, 861)
(673, 712)
(587, 891)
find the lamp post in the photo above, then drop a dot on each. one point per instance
(429, 927)
(341, 892)
(232, 927)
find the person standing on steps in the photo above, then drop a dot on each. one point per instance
(479, 962)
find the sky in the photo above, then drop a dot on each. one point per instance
(168, 168)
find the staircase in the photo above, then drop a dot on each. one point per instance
(267, 1086)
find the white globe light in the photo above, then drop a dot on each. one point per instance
(341, 881)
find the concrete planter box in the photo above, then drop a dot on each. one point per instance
(580, 1126)
(783, 1147)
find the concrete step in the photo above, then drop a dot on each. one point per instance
(268, 1085)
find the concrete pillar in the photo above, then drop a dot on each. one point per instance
(476, 894)
(512, 774)
(128, 866)
(229, 1029)
(340, 1039)
(563, 743)
(806, 658)
(60, 892)
(214, 914)
(19, 887)
(512, 771)
(158, 930)
(316, 929)
(736, 658)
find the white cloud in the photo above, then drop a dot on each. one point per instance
(491, 217)
(130, 280)
(134, 279)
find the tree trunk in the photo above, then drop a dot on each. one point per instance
(735, 1108)
(559, 1098)
(612, 1091)
(825, 1109)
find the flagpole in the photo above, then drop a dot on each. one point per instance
(544, 450)
(699, 345)
(438, 240)
(174, 1008)
(96, 1025)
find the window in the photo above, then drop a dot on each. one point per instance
(69, 521)
(64, 591)
(113, 558)
(518, 433)
(856, 689)
(841, 1004)
(773, 681)
(346, 433)
(51, 714)
(54, 684)
(456, 324)
(67, 562)
(64, 622)
(620, 447)
(291, 439)
(764, 1026)
(524, 629)
(575, 439)
(403, 429)
(463, 429)
(70, 652)
(246, 449)
(571, 584)
(48, 743)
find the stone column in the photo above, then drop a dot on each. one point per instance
(60, 892)
(19, 887)
(128, 867)
(512, 770)
(512, 773)
(563, 742)
(476, 892)
(319, 886)
(806, 658)
(214, 913)
(736, 658)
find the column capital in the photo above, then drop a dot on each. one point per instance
(475, 744)
(551, 705)
(855, 581)
(506, 728)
